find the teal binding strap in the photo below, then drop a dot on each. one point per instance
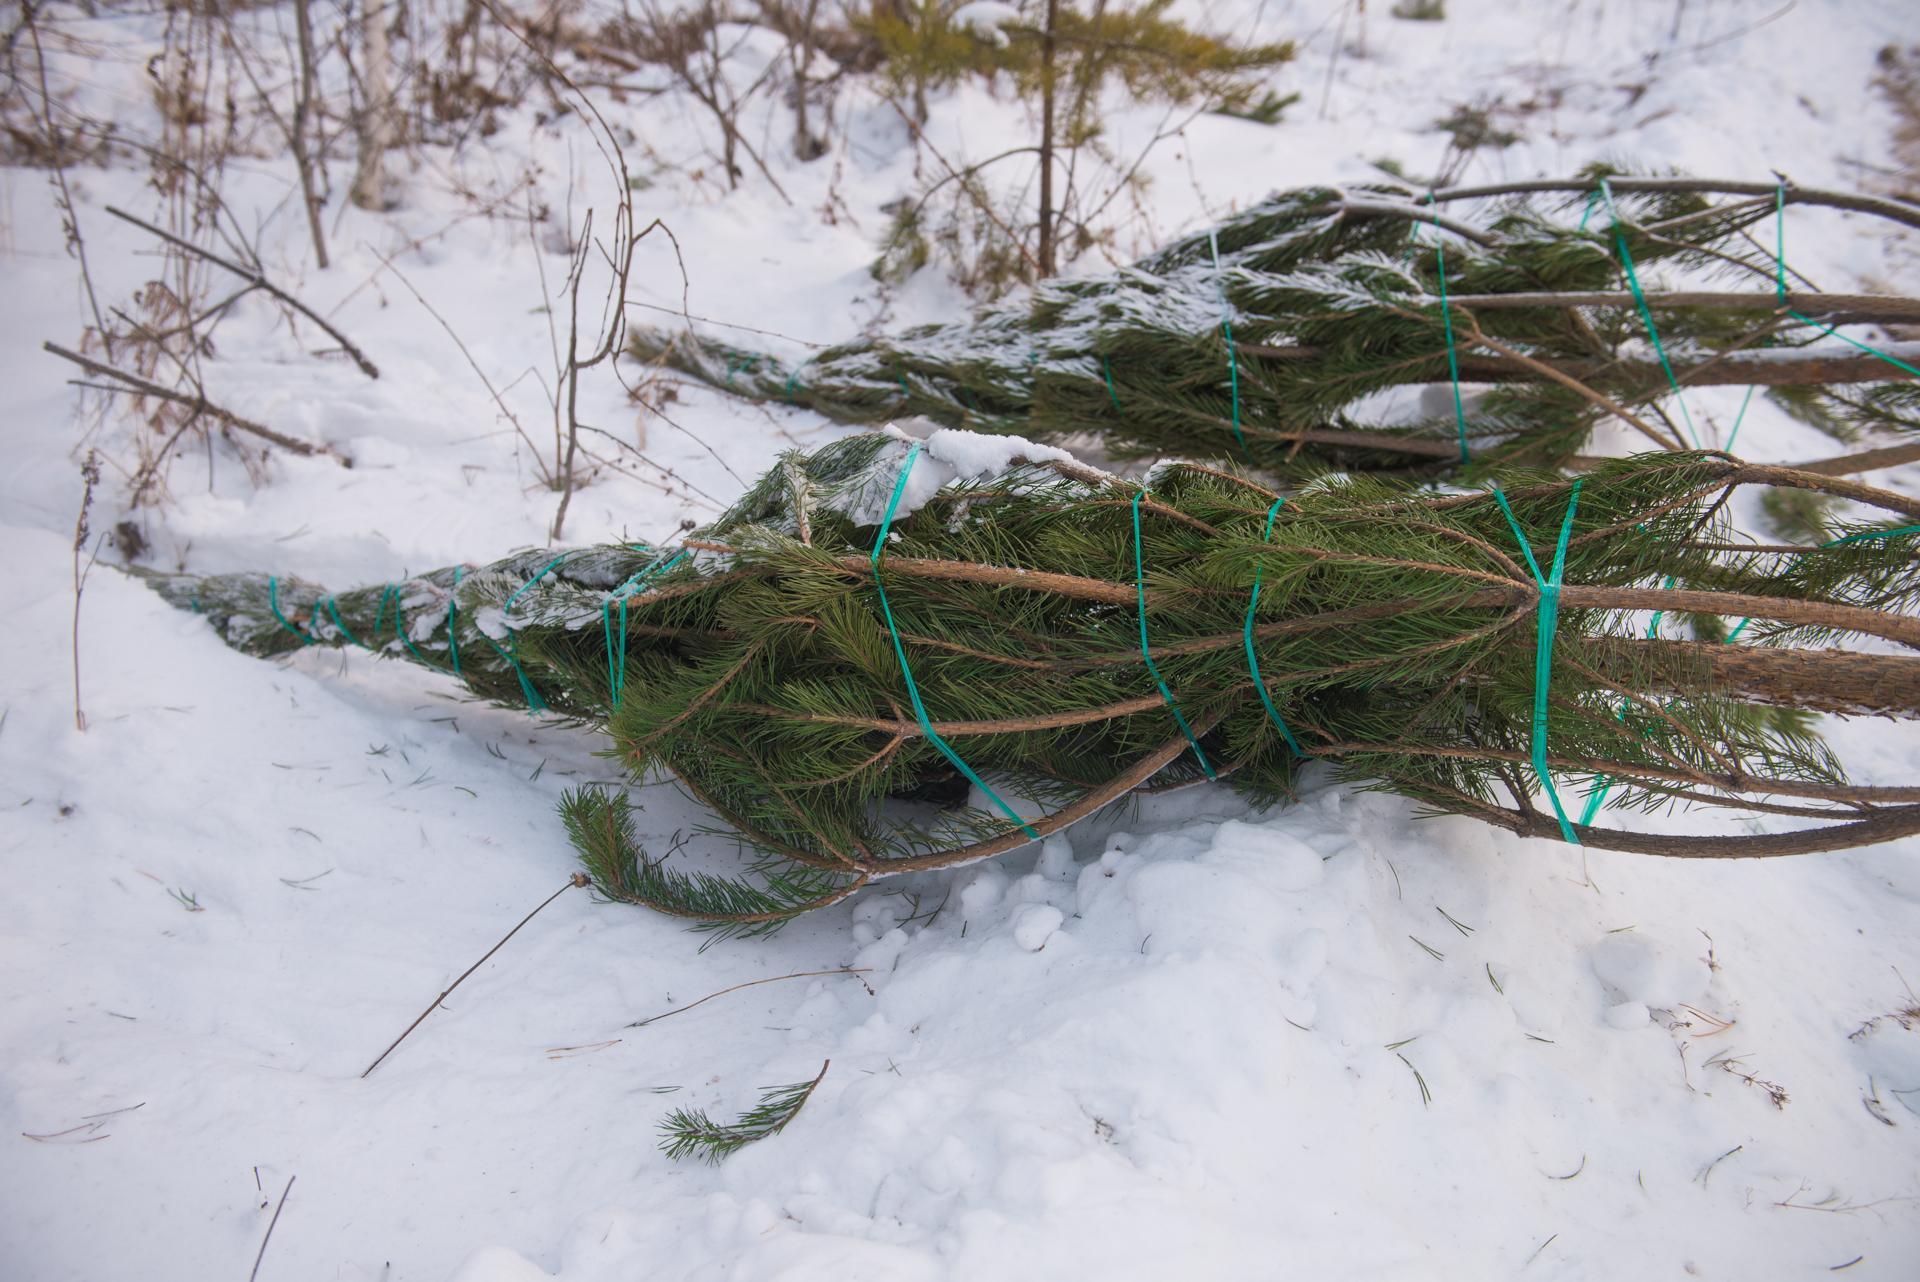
(453, 617)
(534, 702)
(521, 591)
(400, 628)
(1112, 395)
(1446, 320)
(617, 672)
(1602, 785)
(1253, 662)
(1140, 593)
(512, 655)
(900, 653)
(333, 611)
(1738, 419)
(1548, 613)
(1865, 536)
(1646, 313)
(1780, 279)
(273, 603)
(1226, 326)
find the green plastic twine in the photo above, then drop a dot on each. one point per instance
(333, 610)
(1140, 593)
(900, 653)
(1605, 785)
(1646, 314)
(617, 672)
(1548, 613)
(1738, 419)
(1112, 395)
(1602, 785)
(392, 593)
(1453, 355)
(534, 702)
(1253, 663)
(273, 602)
(1780, 279)
(1865, 536)
(1226, 326)
(453, 616)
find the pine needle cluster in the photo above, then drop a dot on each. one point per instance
(1271, 338)
(1393, 639)
(690, 1132)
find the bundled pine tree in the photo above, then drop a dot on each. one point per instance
(1269, 339)
(892, 657)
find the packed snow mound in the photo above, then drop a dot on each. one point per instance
(1638, 967)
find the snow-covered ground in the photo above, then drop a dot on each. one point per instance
(1328, 1041)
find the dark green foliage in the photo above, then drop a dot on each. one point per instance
(1394, 632)
(1066, 64)
(1267, 111)
(689, 1132)
(1334, 298)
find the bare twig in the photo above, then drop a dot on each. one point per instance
(196, 402)
(799, 974)
(578, 879)
(90, 477)
(254, 1273)
(1899, 211)
(256, 279)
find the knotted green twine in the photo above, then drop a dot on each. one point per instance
(900, 653)
(1226, 326)
(534, 702)
(1446, 321)
(392, 593)
(1140, 592)
(1640, 301)
(1253, 661)
(617, 672)
(1548, 614)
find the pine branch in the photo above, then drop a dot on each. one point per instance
(1332, 297)
(1393, 639)
(689, 1132)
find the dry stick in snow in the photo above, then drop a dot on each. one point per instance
(798, 974)
(90, 477)
(578, 879)
(256, 279)
(197, 402)
(254, 1273)
(59, 171)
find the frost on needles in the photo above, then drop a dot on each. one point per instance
(1272, 337)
